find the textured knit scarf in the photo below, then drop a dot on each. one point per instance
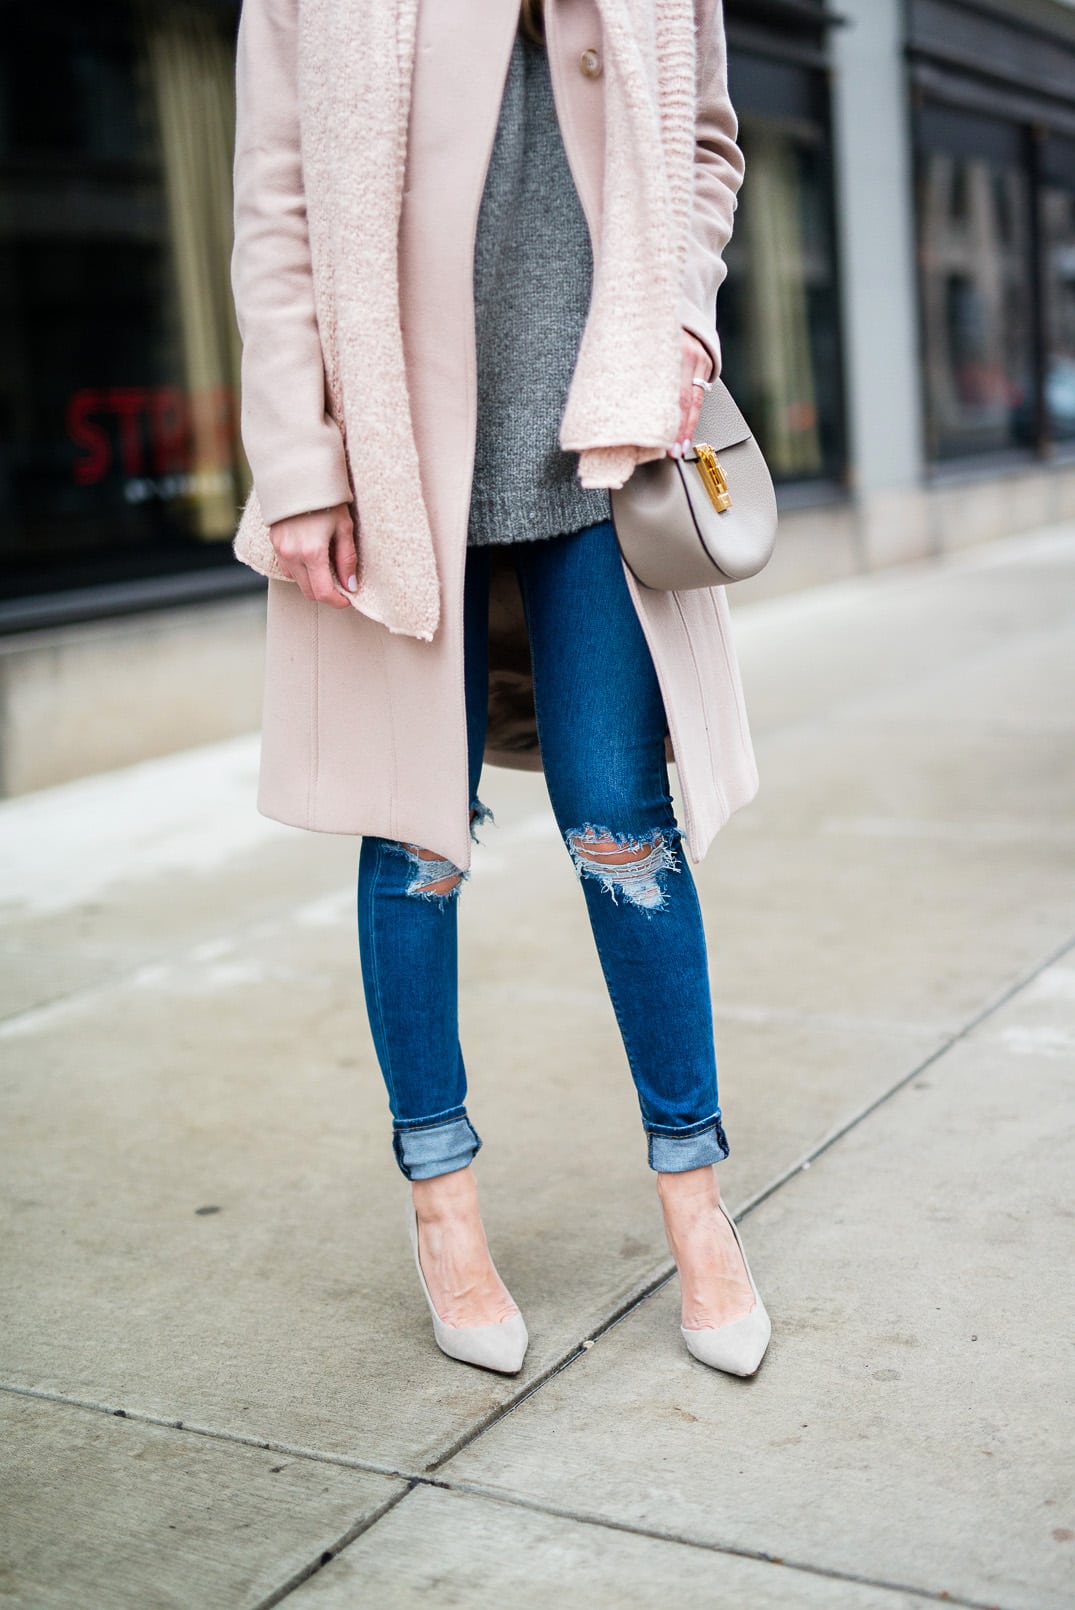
(623, 403)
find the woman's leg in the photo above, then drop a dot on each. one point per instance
(408, 943)
(407, 935)
(601, 724)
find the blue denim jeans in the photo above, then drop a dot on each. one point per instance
(601, 726)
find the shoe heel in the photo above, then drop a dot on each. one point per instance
(492, 1347)
(738, 1347)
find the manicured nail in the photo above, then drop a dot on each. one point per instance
(676, 450)
(686, 444)
(352, 584)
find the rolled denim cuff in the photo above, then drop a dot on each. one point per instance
(424, 1150)
(671, 1153)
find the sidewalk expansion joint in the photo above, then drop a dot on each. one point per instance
(214, 1433)
(607, 1523)
(990, 1009)
(327, 1555)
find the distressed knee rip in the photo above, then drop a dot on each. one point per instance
(625, 862)
(437, 878)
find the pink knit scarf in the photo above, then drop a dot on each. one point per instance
(623, 404)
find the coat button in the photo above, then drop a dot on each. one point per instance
(590, 64)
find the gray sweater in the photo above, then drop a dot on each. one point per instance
(533, 270)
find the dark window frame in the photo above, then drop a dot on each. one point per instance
(800, 43)
(1000, 59)
(941, 72)
(151, 580)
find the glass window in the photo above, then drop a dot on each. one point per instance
(777, 311)
(1058, 273)
(119, 445)
(977, 284)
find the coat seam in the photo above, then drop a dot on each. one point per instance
(690, 815)
(744, 734)
(315, 715)
(713, 764)
(393, 814)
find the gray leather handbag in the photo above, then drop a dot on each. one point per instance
(704, 520)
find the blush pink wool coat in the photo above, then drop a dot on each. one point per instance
(363, 729)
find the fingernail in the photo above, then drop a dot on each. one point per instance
(352, 584)
(686, 444)
(676, 450)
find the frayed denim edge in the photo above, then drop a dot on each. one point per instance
(637, 880)
(428, 870)
(479, 814)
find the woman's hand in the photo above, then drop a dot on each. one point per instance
(696, 365)
(303, 544)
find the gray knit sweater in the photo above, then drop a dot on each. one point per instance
(533, 270)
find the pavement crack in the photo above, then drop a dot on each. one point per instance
(803, 1567)
(327, 1555)
(216, 1433)
(990, 1009)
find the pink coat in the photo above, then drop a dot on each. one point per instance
(363, 729)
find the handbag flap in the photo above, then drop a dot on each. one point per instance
(720, 423)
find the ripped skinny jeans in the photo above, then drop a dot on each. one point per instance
(601, 726)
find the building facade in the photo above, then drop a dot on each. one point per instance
(898, 324)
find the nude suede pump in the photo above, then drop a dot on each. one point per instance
(739, 1347)
(494, 1347)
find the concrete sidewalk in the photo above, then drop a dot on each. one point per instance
(220, 1386)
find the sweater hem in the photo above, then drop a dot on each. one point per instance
(499, 517)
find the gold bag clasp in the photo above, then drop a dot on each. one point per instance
(713, 477)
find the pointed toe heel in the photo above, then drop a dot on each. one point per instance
(738, 1347)
(499, 1347)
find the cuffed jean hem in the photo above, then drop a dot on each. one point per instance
(675, 1153)
(425, 1150)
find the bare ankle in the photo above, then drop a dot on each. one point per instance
(693, 1186)
(446, 1196)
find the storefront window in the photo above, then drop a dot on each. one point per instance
(977, 277)
(777, 311)
(1058, 271)
(119, 446)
